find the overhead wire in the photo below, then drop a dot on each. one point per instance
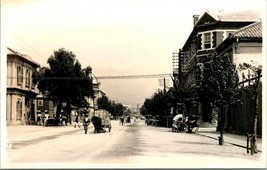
(27, 48)
(103, 77)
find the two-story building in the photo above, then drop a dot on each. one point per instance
(21, 91)
(208, 32)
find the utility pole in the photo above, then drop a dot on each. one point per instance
(164, 84)
(164, 90)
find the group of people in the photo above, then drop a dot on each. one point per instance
(41, 120)
(124, 120)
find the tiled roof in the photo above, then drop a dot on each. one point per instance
(244, 15)
(251, 31)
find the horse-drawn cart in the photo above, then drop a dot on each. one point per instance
(101, 121)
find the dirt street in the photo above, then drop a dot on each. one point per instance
(133, 145)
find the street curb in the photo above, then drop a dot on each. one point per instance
(225, 141)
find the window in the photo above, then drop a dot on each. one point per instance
(28, 78)
(40, 103)
(207, 40)
(19, 109)
(19, 75)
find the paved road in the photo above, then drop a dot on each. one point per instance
(133, 145)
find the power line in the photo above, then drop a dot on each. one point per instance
(19, 41)
(102, 77)
(135, 76)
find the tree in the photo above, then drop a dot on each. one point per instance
(116, 109)
(220, 86)
(64, 81)
(158, 104)
(147, 107)
(104, 103)
(180, 96)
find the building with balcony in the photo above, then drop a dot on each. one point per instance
(209, 31)
(21, 90)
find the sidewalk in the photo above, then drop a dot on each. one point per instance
(20, 135)
(237, 140)
(16, 135)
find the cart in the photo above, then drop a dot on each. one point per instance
(105, 124)
(105, 120)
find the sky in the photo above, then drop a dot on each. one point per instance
(114, 37)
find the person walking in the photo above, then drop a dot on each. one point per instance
(76, 122)
(122, 120)
(86, 123)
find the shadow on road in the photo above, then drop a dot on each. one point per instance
(195, 143)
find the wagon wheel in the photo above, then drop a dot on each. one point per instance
(154, 123)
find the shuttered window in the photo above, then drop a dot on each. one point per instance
(199, 40)
(214, 40)
(19, 75)
(207, 40)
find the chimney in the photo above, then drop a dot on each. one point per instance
(195, 19)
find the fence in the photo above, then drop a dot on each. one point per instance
(242, 113)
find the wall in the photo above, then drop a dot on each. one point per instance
(241, 115)
(250, 53)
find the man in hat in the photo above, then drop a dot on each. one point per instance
(86, 123)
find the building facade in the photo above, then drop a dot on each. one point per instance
(208, 32)
(244, 46)
(98, 93)
(21, 90)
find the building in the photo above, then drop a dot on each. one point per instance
(244, 46)
(97, 94)
(21, 90)
(209, 31)
(45, 106)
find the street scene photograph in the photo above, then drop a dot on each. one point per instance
(91, 84)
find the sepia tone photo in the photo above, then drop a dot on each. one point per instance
(133, 84)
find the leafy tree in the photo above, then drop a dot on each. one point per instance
(116, 109)
(147, 107)
(180, 96)
(104, 103)
(158, 104)
(219, 85)
(64, 81)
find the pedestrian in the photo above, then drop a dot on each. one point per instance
(86, 123)
(38, 120)
(76, 122)
(122, 120)
(43, 119)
